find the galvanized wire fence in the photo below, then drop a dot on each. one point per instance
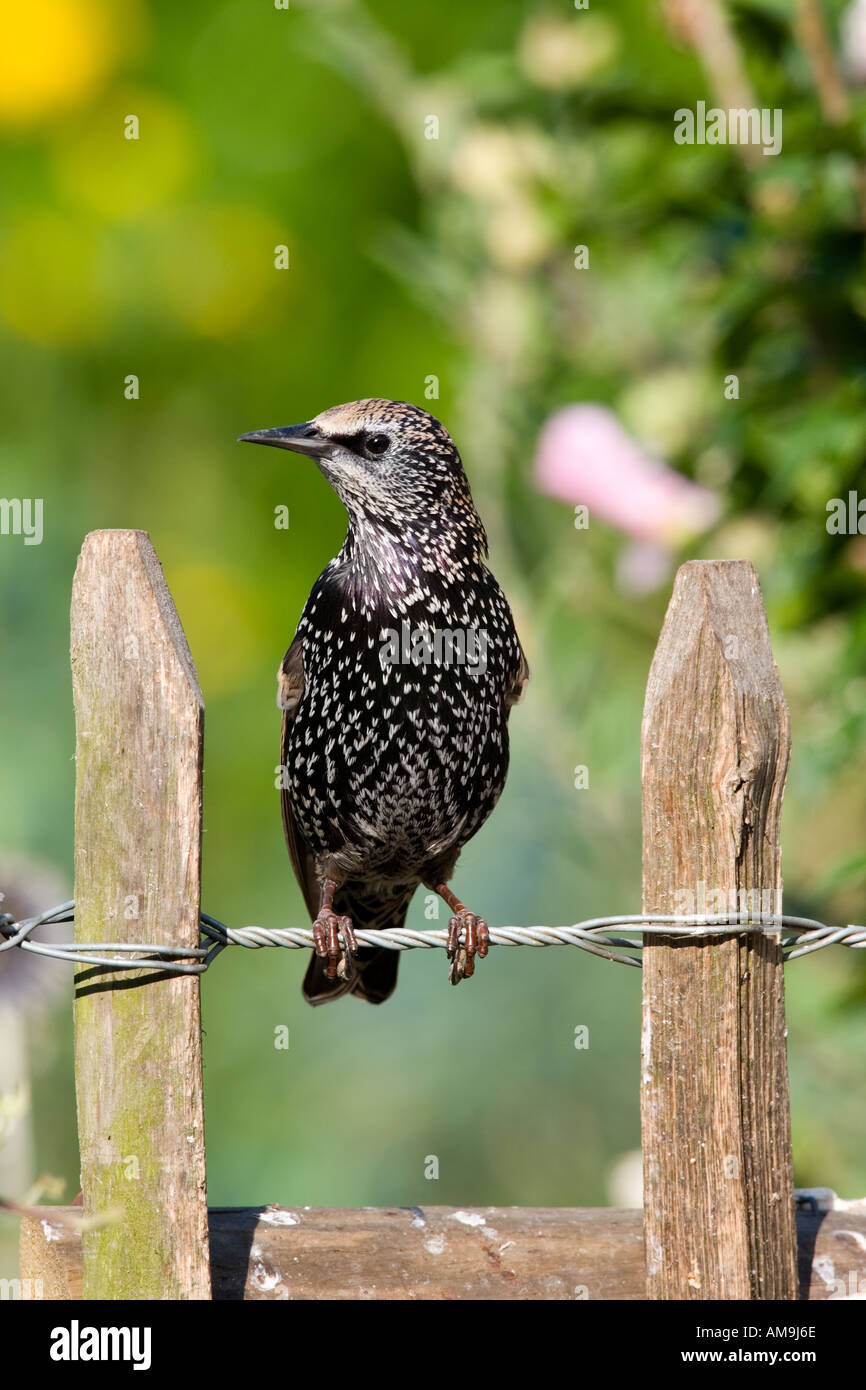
(600, 936)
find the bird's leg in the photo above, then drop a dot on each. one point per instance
(328, 928)
(476, 938)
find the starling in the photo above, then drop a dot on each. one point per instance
(395, 693)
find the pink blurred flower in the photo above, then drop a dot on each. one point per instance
(584, 456)
(642, 567)
(853, 32)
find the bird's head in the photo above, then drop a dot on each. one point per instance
(390, 462)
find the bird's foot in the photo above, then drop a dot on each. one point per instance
(468, 937)
(327, 930)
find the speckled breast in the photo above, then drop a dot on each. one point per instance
(399, 748)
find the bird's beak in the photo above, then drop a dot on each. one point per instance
(302, 439)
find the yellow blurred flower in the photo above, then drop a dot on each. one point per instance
(219, 606)
(52, 288)
(666, 408)
(100, 167)
(775, 197)
(213, 268)
(492, 161)
(562, 53)
(518, 236)
(54, 54)
(754, 537)
(855, 559)
(814, 483)
(500, 169)
(502, 319)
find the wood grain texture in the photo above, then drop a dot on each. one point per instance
(430, 1253)
(718, 1182)
(139, 723)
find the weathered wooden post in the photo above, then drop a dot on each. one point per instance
(139, 720)
(718, 1183)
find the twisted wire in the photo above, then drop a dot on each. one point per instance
(800, 936)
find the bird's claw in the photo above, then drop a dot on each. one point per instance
(327, 930)
(468, 937)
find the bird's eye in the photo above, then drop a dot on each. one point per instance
(377, 443)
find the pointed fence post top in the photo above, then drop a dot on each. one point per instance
(119, 566)
(718, 600)
(139, 730)
(718, 1180)
(715, 740)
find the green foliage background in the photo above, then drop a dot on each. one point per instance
(452, 257)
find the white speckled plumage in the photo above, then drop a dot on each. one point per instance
(392, 767)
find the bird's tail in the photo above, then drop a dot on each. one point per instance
(372, 973)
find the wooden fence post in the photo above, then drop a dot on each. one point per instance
(139, 722)
(718, 1183)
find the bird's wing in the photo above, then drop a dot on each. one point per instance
(517, 684)
(291, 688)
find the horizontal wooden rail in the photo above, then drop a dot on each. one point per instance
(432, 1253)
